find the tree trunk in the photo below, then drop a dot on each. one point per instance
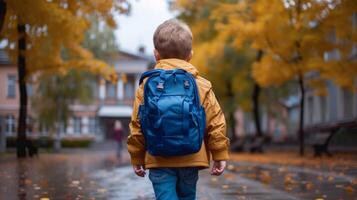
(2, 13)
(256, 94)
(21, 64)
(57, 142)
(2, 131)
(232, 126)
(231, 118)
(2, 135)
(255, 99)
(301, 122)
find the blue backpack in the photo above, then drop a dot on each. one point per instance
(172, 119)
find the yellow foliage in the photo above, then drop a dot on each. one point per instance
(214, 52)
(54, 33)
(294, 35)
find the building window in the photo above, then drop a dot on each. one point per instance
(62, 128)
(111, 90)
(43, 129)
(29, 88)
(347, 104)
(129, 90)
(92, 126)
(10, 124)
(11, 86)
(77, 125)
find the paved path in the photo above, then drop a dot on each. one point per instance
(121, 183)
(96, 174)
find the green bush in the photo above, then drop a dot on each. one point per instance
(44, 142)
(11, 141)
(47, 142)
(76, 142)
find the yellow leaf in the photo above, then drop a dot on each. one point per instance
(265, 177)
(349, 189)
(225, 186)
(230, 167)
(309, 186)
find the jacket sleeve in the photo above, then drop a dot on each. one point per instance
(216, 140)
(136, 141)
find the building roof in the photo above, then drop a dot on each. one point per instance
(122, 56)
(126, 55)
(127, 62)
(115, 111)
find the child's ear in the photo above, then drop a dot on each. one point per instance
(157, 55)
(190, 56)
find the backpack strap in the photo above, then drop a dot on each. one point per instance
(149, 73)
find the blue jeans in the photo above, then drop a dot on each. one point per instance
(174, 183)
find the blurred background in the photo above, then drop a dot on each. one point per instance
(284, 72)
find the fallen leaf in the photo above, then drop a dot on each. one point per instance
(28, 182)
(75, 182)
(265, 177)
(309, 186)
(349, 189)
(251, 175)
(282, 169)
(102, 190)
(230, 167)
(229, 176)
(36, 188)
(288, 180)
(330, 178)
(225, 186)
(214, 179)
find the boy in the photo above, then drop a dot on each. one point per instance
(175, 177)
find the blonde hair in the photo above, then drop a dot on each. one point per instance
(173, 39)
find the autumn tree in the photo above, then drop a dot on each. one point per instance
(54, 96)
(58, 92)
(228, 68)
(38, 32)
(100, 39)
(293, 35)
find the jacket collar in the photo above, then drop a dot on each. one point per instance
(173, 63)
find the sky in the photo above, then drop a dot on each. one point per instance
(138, 28)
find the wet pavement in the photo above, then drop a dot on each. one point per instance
(287, 182)
(96, 174)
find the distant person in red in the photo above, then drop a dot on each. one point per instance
(118, 136)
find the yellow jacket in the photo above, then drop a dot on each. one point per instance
(215, 142)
